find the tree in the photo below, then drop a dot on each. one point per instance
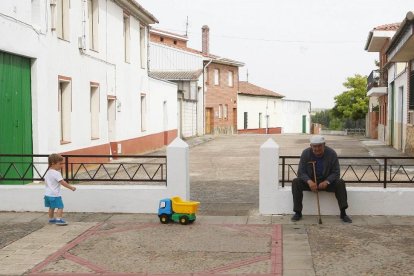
(353, 103)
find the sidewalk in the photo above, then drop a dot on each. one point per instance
(238, 241)
(137, 244)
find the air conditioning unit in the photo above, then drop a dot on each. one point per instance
(81, 43)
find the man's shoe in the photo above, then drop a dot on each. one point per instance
(346, 219)
(52, 221)
(296, 217)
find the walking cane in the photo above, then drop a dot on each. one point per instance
(317, 191)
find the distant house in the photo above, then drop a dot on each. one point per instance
(80, 80)
(400, 56)
(261, 110)
(222, 81)
(172, 60)
(377, 118)
(215, 105)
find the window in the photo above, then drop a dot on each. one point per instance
(62, 19)
(93, 20)
(175, 42)
(94, 109)
(161, 39)
(143, 112)
(193, 90)
(126, 37)
(230, 78)
(225, 111)
(65, 108)
(216, 76)
(35, 12)
(220, 111)
(143, 49)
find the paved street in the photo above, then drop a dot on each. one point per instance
(229, 237)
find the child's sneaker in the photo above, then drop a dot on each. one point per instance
(60, 222)
(52, 221)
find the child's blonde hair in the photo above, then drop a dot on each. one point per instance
(55, 158)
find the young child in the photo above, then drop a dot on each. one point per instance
(53, 180)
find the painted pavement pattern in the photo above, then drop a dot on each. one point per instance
(117, 248)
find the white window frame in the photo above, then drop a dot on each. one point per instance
(216, 76)
(220, 111)
(94, 110)
(230, 78)
(127, 36)
(62, 19)
(93, 23)
(142, 46)
(64, 108)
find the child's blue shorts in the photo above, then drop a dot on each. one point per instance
(53, 202)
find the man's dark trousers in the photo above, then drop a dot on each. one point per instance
(337, 187)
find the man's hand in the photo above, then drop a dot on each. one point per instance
(323, 185)
(312, 186)
(73, 188)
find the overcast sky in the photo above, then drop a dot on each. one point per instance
(303, 49)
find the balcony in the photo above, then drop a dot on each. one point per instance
(376, 86)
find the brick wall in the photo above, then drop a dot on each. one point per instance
(222, 94)
(167, 40)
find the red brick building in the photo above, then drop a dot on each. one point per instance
(221, 88)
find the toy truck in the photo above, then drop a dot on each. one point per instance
(178, 210)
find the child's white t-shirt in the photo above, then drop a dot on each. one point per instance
(52, 185)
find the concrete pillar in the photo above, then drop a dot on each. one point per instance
(269, 176)
(178, 178)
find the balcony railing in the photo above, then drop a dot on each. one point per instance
(383, 171)
(376, 80)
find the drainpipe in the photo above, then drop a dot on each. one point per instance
(204, 93)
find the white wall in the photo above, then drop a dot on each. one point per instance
(254, 105)
(282, 113)
(399, 111)
(293, 111)
(53, 57)
(108, 198)
(189, 118)
(165, 58)
(274, 199)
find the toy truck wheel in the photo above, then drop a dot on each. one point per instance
(164, 219)
(184, 220)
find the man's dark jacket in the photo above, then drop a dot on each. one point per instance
(331, 170)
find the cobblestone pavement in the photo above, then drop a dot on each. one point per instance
(229, 236)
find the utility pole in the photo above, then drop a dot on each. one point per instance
(247, 75)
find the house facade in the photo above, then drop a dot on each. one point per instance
(401, 86)
(377, 84)
(259, 110)
(74, 79)
(263, 111)
(221, 88)
(172, 60)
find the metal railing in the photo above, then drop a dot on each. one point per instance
(378, 170)
(125, 168)
(355, 131)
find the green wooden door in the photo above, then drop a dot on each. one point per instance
(15, 117)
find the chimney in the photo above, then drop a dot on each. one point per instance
(205, 32)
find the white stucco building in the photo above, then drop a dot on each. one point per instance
(263, 111)
(85, 74)
(172, 60)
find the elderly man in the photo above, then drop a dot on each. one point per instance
(327, 176)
